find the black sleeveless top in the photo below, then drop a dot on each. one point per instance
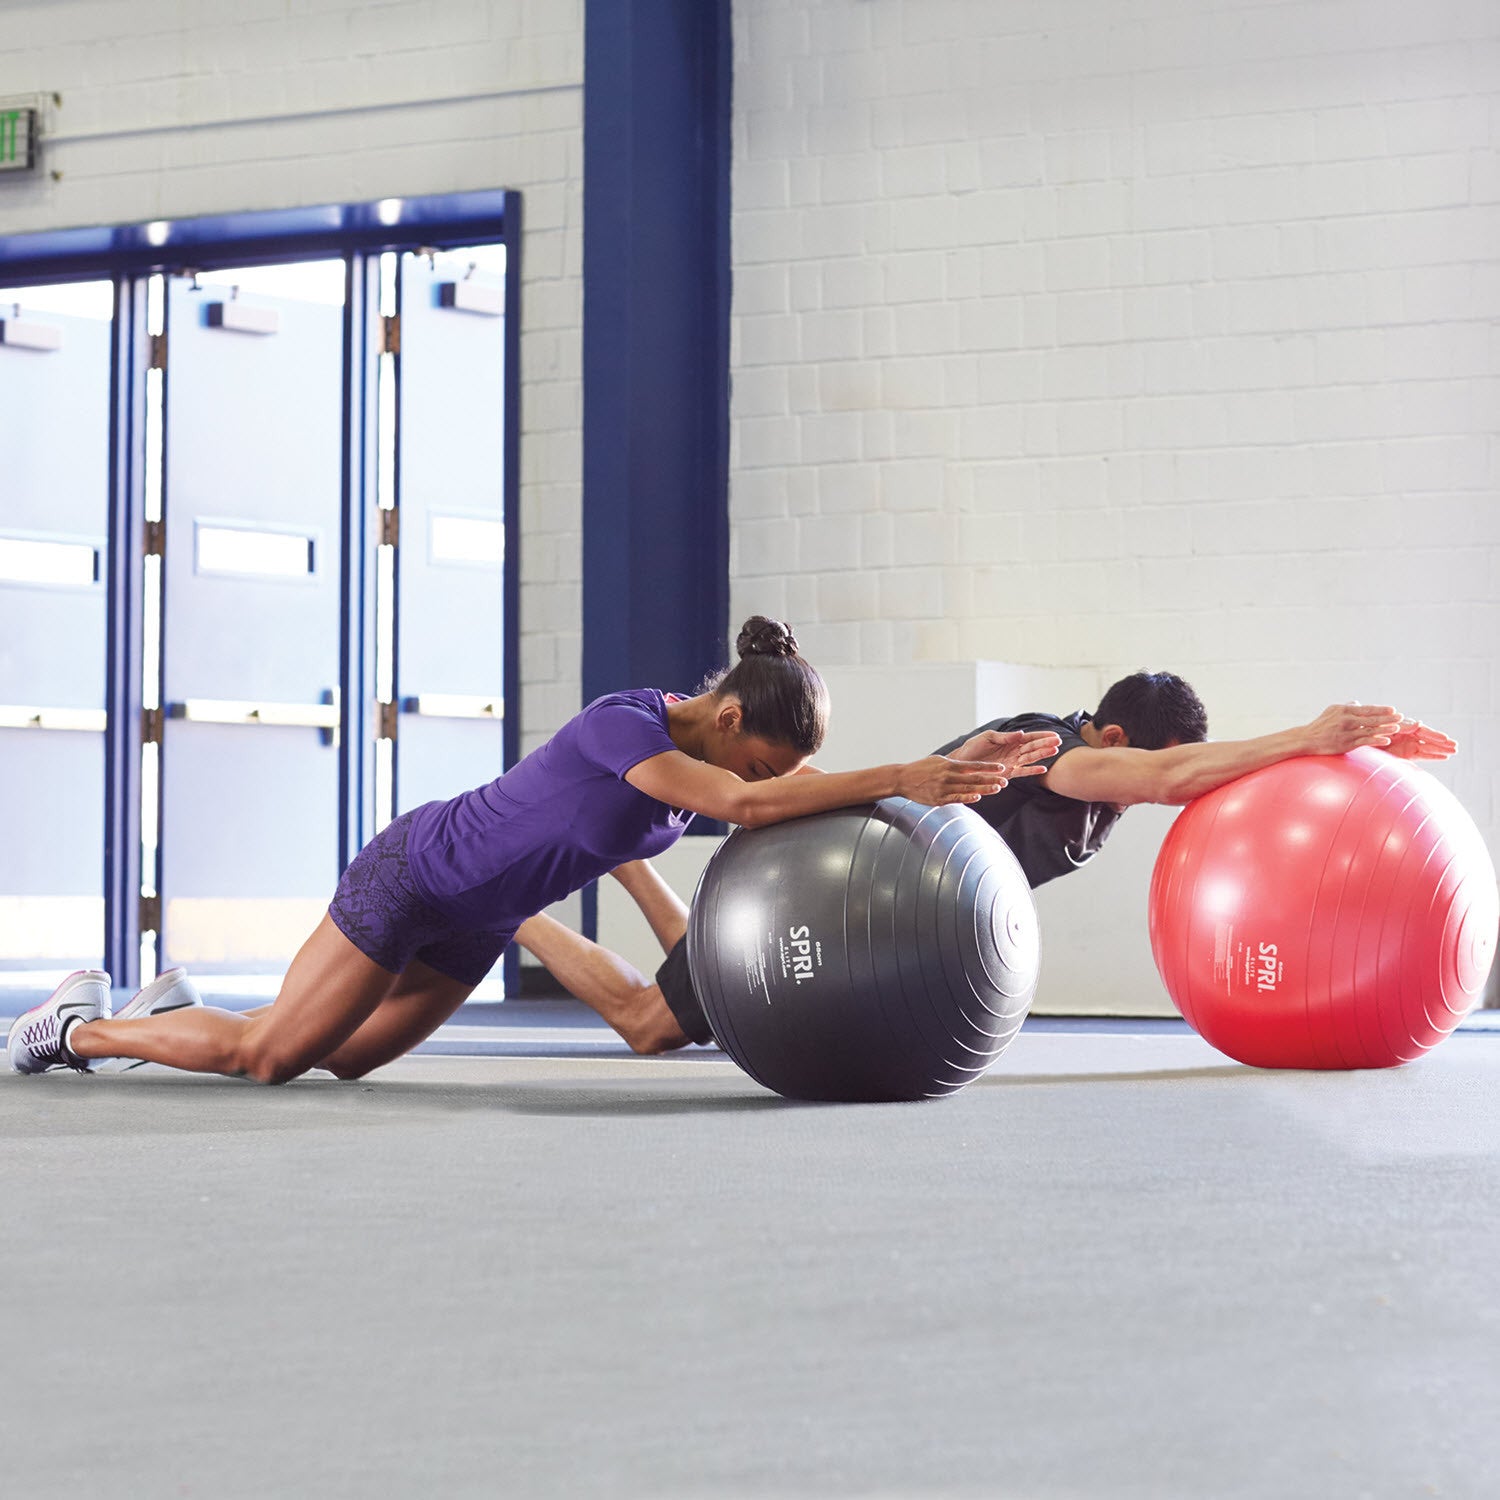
(1049, 835)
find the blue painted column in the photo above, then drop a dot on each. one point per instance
(655, 342)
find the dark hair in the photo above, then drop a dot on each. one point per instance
(782, 698)
(1155, 709)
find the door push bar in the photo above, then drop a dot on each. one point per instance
(17, 716)
(322, 716)
(453, 706)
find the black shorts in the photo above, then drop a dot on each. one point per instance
(682, 999)
(378, 908)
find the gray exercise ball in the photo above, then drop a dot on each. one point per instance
(871, 953)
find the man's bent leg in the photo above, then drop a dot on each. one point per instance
(606, 983)
(668, 915)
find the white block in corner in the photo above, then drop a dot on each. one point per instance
(883, 714)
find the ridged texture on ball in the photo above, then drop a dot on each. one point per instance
(872, 953)
(1326, 912)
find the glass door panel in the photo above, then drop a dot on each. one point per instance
(54, 512)
(450, 561)
(251, 616)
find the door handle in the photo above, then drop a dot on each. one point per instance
(453, 706)
(18, 716)
(324, 716)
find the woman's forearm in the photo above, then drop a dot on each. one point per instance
(783, 797)
(715, 792)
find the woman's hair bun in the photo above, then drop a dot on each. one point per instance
(760, 636)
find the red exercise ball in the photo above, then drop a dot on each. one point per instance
(1332, 911)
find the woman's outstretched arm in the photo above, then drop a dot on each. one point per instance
(680, 781)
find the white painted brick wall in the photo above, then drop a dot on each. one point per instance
(172, 108)
(1156, 335)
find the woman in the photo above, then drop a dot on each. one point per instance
(426, 908)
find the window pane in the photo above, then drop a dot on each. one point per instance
(70, 564)
(77, 299)
(265, 554)
(467, 539)
(319, 281)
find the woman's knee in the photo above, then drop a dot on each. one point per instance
(270, 1064)
(347, 1070)
(274, 1072)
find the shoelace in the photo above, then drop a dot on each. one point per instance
(43, 1037)
(43, 1033)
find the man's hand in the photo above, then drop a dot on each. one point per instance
(1018, 751)
(1347, 726)
(1415, 740)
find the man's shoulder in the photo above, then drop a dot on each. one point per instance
(1063, 724)
(1068, 728)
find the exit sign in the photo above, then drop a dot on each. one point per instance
(17, 139)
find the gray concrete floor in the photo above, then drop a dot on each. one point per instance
(1119, 1266)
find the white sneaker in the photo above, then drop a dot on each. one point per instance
(172, 990)
(38, 1040)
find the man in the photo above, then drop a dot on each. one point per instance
(1146, 742)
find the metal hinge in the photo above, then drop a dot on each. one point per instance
(151, 726)
(150, 914)
(156, 538)
(390, 527)
(390, 334)
(158, 360)
(385, 720)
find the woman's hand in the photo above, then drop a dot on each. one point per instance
(938, 780)
(1018, 750)
(1415, 740)
(1347, 726)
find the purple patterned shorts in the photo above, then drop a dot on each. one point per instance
(377, 907)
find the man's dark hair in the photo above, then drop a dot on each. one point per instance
(1155, 709)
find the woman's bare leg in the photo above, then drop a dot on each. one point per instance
(661, 906)
(606, 983)
(329, 991)
(415, 1006)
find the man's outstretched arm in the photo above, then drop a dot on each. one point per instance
(1176, 775)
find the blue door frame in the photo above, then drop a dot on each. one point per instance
(128, 255)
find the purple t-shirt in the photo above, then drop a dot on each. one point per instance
(556, 820)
